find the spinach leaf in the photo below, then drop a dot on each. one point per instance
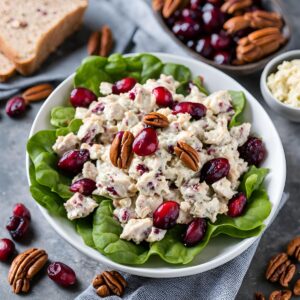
(239, 102)
(61, 116)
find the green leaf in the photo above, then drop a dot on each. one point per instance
(184, 87)
(239, 102)
(197, 81)
(73, 127)
(84, 228)
(61, 116)
(152, 67)
(180, 72)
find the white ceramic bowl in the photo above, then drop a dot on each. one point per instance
(221, 249)
(289, 112)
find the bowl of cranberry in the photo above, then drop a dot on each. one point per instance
(236, 36)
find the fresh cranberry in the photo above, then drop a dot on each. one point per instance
(17, 227)
(61, 274)
(236, 205)
(124, 85)
(20, 210)
(196, 4)
(195, 232)
(191, 44)
(165, 216)
(196, 110)
(207, 7)
(173, 18)
(204, 47)
(131, 95)
(190, 14)
(214, 170)
(7, 249)
(213, 19)
(222, 57)
(186, 29)
(83, 186)
(146, 142)
(220, 41)
(253, 151)
(15, 107)
(163, 96)
(73, 160)
(82, 97)
(142, 169)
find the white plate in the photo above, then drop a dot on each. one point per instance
(221, 249)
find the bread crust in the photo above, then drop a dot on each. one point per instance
(8, 69)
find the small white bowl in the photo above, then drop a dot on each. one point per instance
(287, 111)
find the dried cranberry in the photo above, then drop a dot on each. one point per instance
(195, 232)
(220, 41)
(73, 160)
(165, 216)
(146, 142)
(82, 97)
(142, 169)
(213, 19)
(15, 107)
(124, 85)
(61, 274)
(17, 227)
(214, 170)
(190, 14)
(20, 210)
(196, 110)
(222, 58)
(204, 48)
(196, 4)
(7, 249)
(186, 29)
(131, 95)
(83, 186)
(253, 151)
(236, 205)
(163, 96)
(207, 6)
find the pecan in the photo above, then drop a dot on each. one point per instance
(235, 24)
(37, 92)
(281, 295)
(296, 289)
(121, 149)
(170, 6)
(156, 119)
(280, 271)
(275, 265)
(287, 275)
(24, 267)
(259, 296)
(293, 248)
(188, 155)
(233, 6)
(109, 282)
(157, 5)
(100, 42)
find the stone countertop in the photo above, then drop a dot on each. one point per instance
(14, 188)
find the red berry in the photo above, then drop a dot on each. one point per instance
(196, 4)
(236, 205)
(83, 186)
(253, 151)
(72, 161)
(20, 210)
(220, 41)
(204, 48)
(82, 97)
(124, 85)
(146, 142)
(15, 107)
(195, 232)
(222, 58)
(190, 14)
(186, 29)
(214, 170)
(196, 110)
(17, 227)
(7, 249)
(212, 19)
(165, 216)
(163, 96)
(61, 274)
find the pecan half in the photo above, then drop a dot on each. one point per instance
(157, 5)
(234, 6)
(287, 275)
(188, 155)
(296, 289)
(170, 6)
(24, 267)
(276, 262)
(37, 92)
(156, 119)
(259, 296)
(121, 149)
(281, 295)
(293, 248)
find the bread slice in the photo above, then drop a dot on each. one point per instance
(30, 30)
(7, 68)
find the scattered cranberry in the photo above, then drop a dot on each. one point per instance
(213, 19)
(186, 29)
(195, 232)
(163, 96)
(146, 142)
(73, 160)
(124, 85)
(196, 4)
(236, 205)
(191, 44)
(165, 216)
(222, 57)
(83, 186)
(15, 107)
(204, 47)
(220, 41)
(82, 97)
(214, 170)
(207, 7)
(17, 227)
(196, 110)
(7, 249)
(20, 210)
(61, 274)
(190, 14)
(253, 151)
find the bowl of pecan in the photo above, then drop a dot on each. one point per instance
(236, 36)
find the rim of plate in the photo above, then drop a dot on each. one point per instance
(165, 272)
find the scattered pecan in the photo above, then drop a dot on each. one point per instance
(24, 267)
(287, 275)
(293, 248)
(281, 295)
(259, 296)
(170, 6)
(156, 119)
(188, 155)
(296, 289)
(275, 266)
(234, 6)
(109, 282)
(157, 5)
(100, 42)
(121, 149)
(37, 92)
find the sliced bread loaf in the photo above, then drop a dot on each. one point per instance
(7, 68)
(30, 30)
